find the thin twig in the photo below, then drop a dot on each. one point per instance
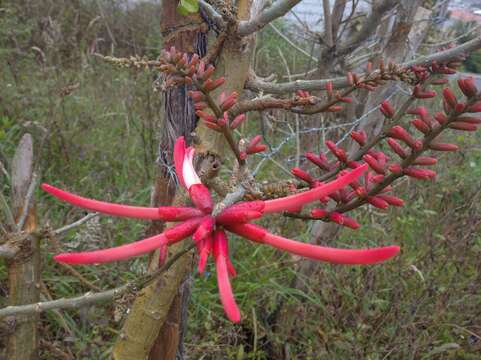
(79, 222)
(92, 297)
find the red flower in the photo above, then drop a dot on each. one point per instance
(208, 231)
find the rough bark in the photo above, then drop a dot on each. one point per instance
(24, 269)
(146, 335)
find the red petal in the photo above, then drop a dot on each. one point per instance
(205, 228)
(294, 202)
(135, 212)
(173, 213)
(179, 153)
(201, 198)
(114, 254)
(332, 255)
(225, 290)
(205, 251)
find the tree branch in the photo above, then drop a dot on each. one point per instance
(278, 9)
(255, 84)
(212, 14)
(368, 28)
(91, 297)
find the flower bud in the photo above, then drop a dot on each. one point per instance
(359, 136)
(422, 174)
(373, 163)
(468, 87)
(476, 107)
(301, 174)
(449, 97)
(440, 118)
(396, 168)
(206, 116)
(377, 202)
(317, 160)
(421, 126)
(208, 72)
(237, 121)
(425, 161)
(338, 152)
(470, 120)
(391, 200)
(443, 147)
(387, 109)
(319, 213)
(334, 108)
(398, 132)
(200, 105)
(396, 147)
(463, 126)
(210, 84)
(196, 95)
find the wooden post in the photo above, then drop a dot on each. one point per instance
(24, 269)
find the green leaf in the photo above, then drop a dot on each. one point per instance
(187, 7)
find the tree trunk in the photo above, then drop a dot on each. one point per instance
(162, 339)
(24, 269)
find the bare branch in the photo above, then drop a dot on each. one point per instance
(212, 14)
(290, 42)
(368, 28)
(79, 222)
(278, 9)
(341, 82)
(327, 23)
(91, 297)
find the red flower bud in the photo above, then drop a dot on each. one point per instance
(421, 126)
(237, 121)
(422, 174)
(476, 107)
(425, 161)
(443, 147)
(322, 163)
(301, 174)
(208, 73)
(338, 152)
(212, 126)
(439, 81)
(200, 105)
(359, 136)
(319, 213)
(196, 95)
(396, 168)
(464, 126)
(387, 109)
(194, 60)
(334, 108)
(468, 87)
(449, 97)
(398, 132)
(229, 101)
(396, 147)
(391, 200)
(470, 120)
(373, 163)
(377, 202)
(440, 118)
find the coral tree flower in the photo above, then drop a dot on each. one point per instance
(209, 232)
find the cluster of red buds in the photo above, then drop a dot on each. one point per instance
(213, 112)
(375, 186)
(208, 229)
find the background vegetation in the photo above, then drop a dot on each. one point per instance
(100, 129)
